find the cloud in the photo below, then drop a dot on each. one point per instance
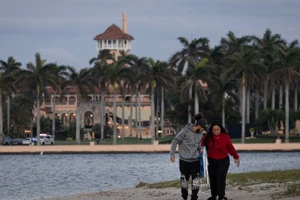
(59, 55)
(64, 29)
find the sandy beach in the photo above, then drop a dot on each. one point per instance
(265, 191)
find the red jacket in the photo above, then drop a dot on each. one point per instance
(220, 147)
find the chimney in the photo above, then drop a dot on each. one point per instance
(124, 22)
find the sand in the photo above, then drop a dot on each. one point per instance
(266, 191)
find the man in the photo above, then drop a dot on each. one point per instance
(189, 139)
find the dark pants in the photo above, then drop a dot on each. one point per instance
(217, 171)
(187, 170)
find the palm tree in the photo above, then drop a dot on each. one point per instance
(115, 72)
(157, 73)
(233, 43)
(286, 67)
(8, 68)
(100, 63)
(5, 85)
(225, 89)
(84, 82)
(137, 66)
(21, 114)
(61, 76)
(38, 76)
(197, 75)
(243, 65)
(189, 57)
(100, 76)
(267, 45)
(103, 57)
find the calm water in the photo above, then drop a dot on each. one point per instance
(27, 177)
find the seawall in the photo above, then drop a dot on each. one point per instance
(133, 148)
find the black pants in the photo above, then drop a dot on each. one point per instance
(217, 171)
(187, 170)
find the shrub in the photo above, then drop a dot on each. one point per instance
(69, 139)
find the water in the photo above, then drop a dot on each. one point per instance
(28, 177)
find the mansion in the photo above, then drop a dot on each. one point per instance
(115, 40)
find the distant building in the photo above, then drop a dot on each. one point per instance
(116, 40)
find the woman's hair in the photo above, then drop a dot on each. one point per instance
(216, 123)
(209, 135)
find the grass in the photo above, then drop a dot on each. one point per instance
(168, 139)
(267, 139)
(106, 141)
(289, 178)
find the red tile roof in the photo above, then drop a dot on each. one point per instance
(113, 32)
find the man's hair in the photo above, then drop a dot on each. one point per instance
(199, 120)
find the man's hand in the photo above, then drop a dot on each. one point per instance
(172, 158)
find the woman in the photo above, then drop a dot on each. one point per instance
(218, 145)
(189, 139)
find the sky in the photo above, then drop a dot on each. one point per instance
(62, 31)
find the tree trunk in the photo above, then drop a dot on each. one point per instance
(53, 115)
(265, 94)
(248, 105)
(190, 107)
(243, 113)
(196, 101)
(162, 113)
(241, 98)
(131, 113)
(296, 97)
(157, 118)
(1, 118)
(223, 110)
(136, 113)
(77, 122)
(280, 96)
(152, 113)
(256, 104)
(287, 110)
(8, 116)
(139, 116)
(123, 116)
(103, 114)
(38, 126)
(273, 99)
(115, 118)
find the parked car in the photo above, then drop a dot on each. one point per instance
(17, 141)
(27, 141)
(6, 141)
(46, 139)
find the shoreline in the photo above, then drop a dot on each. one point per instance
(261, 191)
(135, 148)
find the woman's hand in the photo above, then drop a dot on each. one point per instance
(237, 162)
(172, 158)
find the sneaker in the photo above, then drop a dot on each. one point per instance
(222, 198)
(212, 198)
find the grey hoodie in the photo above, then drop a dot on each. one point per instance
(189, 144)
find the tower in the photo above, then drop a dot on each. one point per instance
(115, 39)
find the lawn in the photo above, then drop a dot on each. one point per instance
(168, 140)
